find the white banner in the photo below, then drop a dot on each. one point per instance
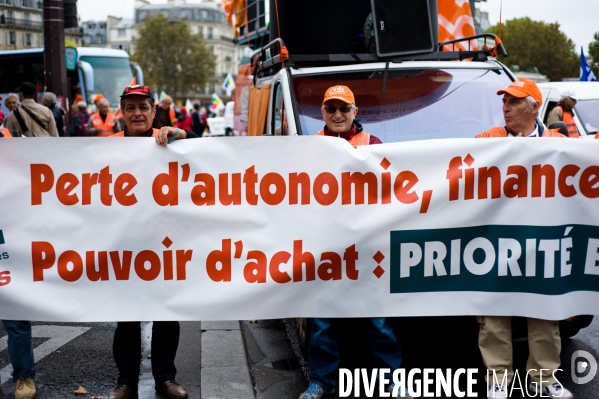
(97, 229)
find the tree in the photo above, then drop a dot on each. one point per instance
(594, 54)
(538, 44)
(172, 58)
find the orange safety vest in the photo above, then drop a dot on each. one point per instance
(357, 139)
(106, 128)
(173, 117)
(122, 134)
(6, 133)
(500, 131)
(569, 121)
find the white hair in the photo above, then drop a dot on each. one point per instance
(531, 103)
(50, 97)
(11, 95)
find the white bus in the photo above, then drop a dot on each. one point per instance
(98, 70)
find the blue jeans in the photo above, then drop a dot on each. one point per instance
(323, 354)
(20, 348)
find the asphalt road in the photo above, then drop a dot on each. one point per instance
(75, 355)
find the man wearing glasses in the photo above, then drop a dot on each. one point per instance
(339, 112)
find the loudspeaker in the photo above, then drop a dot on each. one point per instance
(320, 26)
(404, 26)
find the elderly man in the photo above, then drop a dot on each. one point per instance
(31, 119)
(138, 109)
(49, 100)
(339, 112)
(11, 102)
(564, 112)
(102, 123)
(521, 102)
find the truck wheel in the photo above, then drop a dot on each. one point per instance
(304, 331)
(229, 132)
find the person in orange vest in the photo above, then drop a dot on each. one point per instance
(339, 111)
(165, 114)
(137, 104)
(5, 133)
(521, 102)
(564, 112)
(102, 123)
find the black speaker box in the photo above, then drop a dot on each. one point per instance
(404, 26)
(337, 26)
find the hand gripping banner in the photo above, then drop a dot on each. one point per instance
(268, 227)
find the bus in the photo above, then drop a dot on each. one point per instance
(98, 70)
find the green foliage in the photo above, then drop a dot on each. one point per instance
(538, 44)
(594, 54)
(172, 58)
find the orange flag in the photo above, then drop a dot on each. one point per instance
(455, 22)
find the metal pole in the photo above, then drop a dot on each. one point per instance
(54, 56)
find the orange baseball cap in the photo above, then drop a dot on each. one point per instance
(98, 97)
(342, 93)
(522, 88)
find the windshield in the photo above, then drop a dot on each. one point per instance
(111, 76)
(588, 113)
(418, 104)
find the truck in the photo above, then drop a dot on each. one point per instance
(97, 70)
(407, 85)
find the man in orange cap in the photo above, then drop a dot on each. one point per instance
(339, 111)
(97, 99)
(521, 102)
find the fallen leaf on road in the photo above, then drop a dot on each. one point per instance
(150, 356)
(96, 397)
(80, 391)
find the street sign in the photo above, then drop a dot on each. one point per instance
(70, 58)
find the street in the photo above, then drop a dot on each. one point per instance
(257, 359)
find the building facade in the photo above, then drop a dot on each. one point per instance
(121, 33)
(22, 25)
(94, 33)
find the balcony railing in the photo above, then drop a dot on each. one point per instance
(21, 23)
(24, 3)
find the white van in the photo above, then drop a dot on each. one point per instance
(222, 125)
(229, 118)
(587, 107)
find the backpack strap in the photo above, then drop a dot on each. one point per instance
(34, 118)
(21, 121)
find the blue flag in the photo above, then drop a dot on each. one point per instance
(586, 74)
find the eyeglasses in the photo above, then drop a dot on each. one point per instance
(332, 110)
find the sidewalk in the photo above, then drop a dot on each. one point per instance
(211, 362)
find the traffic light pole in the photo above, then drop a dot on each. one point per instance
(54, 53)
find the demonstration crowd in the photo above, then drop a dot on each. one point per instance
(141, 118)
(81, 121)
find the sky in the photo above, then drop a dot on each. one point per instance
(579, 19)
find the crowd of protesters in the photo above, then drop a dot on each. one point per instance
(140, 117)
(81, 121)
